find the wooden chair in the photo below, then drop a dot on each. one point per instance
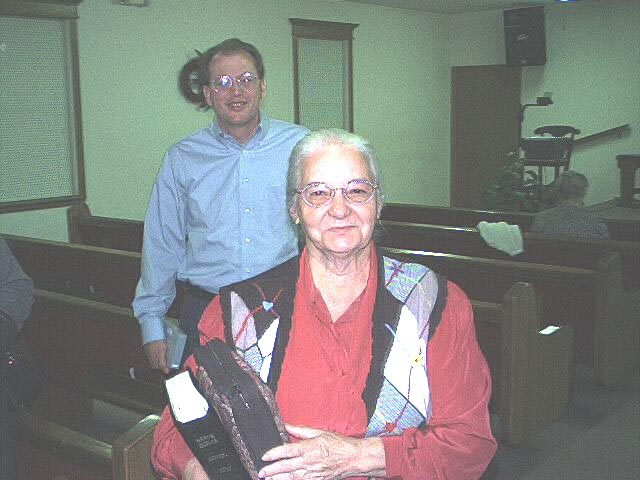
(551, 147)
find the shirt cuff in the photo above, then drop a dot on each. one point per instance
(152, 330)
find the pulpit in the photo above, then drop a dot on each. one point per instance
(628, 165)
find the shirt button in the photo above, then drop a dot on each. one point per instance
(248, 270)
(245, 180)
(247, 210)
(247, 240)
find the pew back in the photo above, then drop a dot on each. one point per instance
(93, 345)
(95, 273)
(538, 248)
(587, 299)
(619, 229)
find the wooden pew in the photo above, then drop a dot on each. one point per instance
(86, 349)
(619, 229)
(91, 347)
(95, 273)
(48, 450)
(590, 300)
(106, 232)
(69, 315)
(115, 326)
(531, 370)
(538, 248)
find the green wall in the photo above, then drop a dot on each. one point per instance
(592, 69)
(132, 111)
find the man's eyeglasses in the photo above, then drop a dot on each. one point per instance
(319, 194)
(245, 80)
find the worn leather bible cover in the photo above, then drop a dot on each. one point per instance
(245, 406)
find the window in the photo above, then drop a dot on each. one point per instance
(323, 73)
(40, 132)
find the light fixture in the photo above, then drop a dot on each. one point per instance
(132, 3)
(543, 101)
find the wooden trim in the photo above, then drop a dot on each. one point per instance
(619, 131)
(349, 72)
(78, 138)
(319, 29)
(57, 9)
(40, 204)
(74, 212)
(296, 80)
(42, 8)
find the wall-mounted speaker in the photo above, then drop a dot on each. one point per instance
(524, 36)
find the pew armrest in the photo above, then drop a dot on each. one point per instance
(63, 441)
(131, 451)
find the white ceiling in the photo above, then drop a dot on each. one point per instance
(455, 6)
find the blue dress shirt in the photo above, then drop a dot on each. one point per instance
(217, 215)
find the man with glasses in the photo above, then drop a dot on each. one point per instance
(217, 213)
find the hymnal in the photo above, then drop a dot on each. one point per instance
(176, 340)
(233, 419)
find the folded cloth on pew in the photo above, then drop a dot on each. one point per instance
(502, 236)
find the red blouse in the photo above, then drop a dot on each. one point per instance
(324, 372)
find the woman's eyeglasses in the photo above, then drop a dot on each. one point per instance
(319, 194)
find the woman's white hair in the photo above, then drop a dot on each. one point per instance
(316, 141)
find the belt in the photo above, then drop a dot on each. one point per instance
(196, 291)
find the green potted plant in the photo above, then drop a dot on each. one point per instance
(517, 190)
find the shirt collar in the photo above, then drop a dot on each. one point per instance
(261, 131)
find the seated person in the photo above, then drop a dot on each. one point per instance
(374, 362)
(16, 298)
(569, 218)
(16, 292)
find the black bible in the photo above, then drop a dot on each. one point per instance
(226, 414)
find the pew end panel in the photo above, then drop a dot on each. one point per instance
(553, 373)
(536, 367)
(46, 449)
(131, 451)
(614, 325)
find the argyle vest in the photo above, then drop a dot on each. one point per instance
(409, 302)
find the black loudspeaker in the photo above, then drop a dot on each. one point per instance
(524, 36)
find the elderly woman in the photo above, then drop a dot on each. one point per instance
(569, 218)
(374, 363)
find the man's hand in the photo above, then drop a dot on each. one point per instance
(321, 455)
(157, 355)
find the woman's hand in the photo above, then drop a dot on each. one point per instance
(194, 471)
(322, 455)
